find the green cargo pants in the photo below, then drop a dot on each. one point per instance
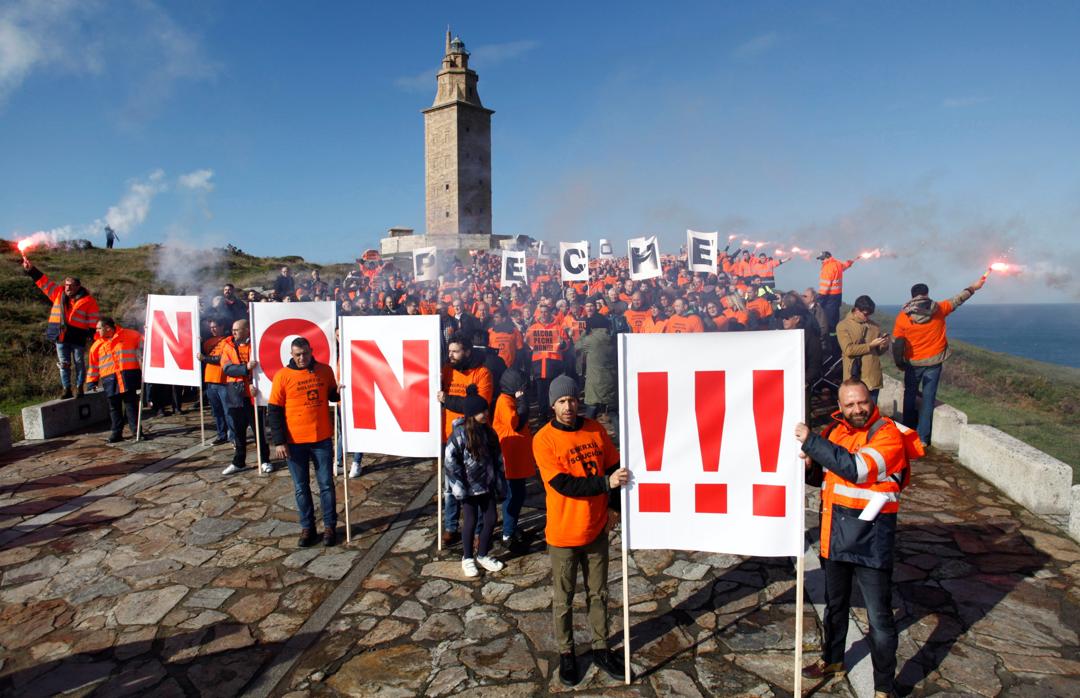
(593, 558)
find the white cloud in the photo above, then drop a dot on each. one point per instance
(756, 46)
(199, 180)
(135, 41)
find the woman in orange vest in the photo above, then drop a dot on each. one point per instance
(511, 424)
(114, 363)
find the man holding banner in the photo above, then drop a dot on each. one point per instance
(579, 467)
(865, 458)
(237, 364)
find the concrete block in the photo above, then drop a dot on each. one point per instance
(891, 398)
(1034, 479)
(58, 417)
(948, 423)
(5, 433)
(1074, 514)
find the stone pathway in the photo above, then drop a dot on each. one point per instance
(186, 582)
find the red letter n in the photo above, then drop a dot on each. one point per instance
(161, 334)
(408, 401)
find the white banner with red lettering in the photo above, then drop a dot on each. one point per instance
(391, 376)
(171, 341)
(709, 423)
(273, 328)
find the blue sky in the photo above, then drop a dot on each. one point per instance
(944, 132)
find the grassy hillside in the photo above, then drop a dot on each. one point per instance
(120, 280)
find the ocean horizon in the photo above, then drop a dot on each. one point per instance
(1047, 332)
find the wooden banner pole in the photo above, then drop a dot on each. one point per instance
(202, 417)
(338, 415)
(625, 494)
(138, 414)
(800, 569)
(439, 486)
(258, 436)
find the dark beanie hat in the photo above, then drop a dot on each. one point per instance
(473, 403)
(561, 387)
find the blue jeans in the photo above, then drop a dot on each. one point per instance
(515, 499)
(215, 395)
(922, 420)
(340, 455)
(300, 456)
(876, 588)
(66, 355)
(451, 511)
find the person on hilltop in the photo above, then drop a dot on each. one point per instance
(298, 413)
(284, 283)
(511, 425)
(864, 459)
(114, 363)
(473, 464)
(579, 466)
(462, 369)
(862, 343)
(72, 321)
(831, 287)
(920, 348)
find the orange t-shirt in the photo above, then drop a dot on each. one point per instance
(585, 452)
(508, 344)
(638, 320)
(763, 307)
(305, 395)
(681, 324)
(456, 383)
(516, 444)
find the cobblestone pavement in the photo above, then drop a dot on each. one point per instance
(186, 582)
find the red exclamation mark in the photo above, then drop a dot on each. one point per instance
(769, 500)
(710, 404)
(652, 415)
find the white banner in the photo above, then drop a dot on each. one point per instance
(171, 342)
(644, 256)
(606, 250)
(709, 421)
(425, 266)
(574, 260)
(701, 251)
(273, 328)
(513, 268)
(392, 374)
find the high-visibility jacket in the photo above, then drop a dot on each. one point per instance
(71, 320)
(114, 362)
(832, 276)
(234, 358)
(860, 463)
(762, 306)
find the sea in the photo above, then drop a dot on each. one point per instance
(1047, 332)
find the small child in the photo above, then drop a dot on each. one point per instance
(474, 471)
(511, 423)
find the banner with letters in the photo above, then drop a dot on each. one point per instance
(574, 259)
(709, 423)
(513, 269)
(701, 251)
(391, 377)
(425, 264)
(273, 328)
(171, 341)
(606, 250)
(644, 256)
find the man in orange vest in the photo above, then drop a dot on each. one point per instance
(547, 341)
(214, 379)
(114, 364)
(865, 458)
(921, 348)
(682, 320)
(831, 287)
(237, 364)
(72, 321)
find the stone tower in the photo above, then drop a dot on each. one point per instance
(457, 151)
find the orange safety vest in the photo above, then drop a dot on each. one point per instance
(80, 315)
(114, 362)
(212, 372)
(832, 276)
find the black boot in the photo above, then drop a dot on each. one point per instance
(568, 673)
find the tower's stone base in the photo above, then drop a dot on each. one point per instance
(403, 244)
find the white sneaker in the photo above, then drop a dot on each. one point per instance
(231, 470)
(355, 471)
(468, 566)
(267, 467)
(489, 563)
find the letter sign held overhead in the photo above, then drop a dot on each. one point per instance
(575, 260)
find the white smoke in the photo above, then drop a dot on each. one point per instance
(135, 204)
(186, 265)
